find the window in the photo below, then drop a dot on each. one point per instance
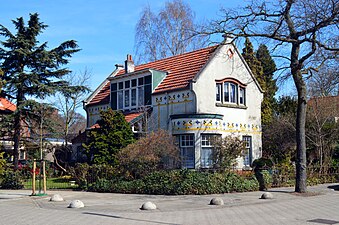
(242, 96)
(22, 155)
(131, 94)
(206, 160)
(186, 143)
(247, 154)
(230, 91)
(218, 92)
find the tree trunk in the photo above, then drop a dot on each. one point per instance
(301, 175)
(17, 131)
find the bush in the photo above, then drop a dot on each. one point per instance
(11, 180)
(154, 152)
(179, 182)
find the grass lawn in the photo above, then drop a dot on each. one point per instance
(52, 183)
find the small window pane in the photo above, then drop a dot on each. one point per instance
(121, 85)
(134, 97)
(147, 94)
(218, 92)
(127, 84)
(226, 92)
(114, 100)
(134, 82)
(120, 100)
(114, 87)
(141, 81)
(232, 93)
(242, 96)
(126, 98)
(148, 79)
(141, 96)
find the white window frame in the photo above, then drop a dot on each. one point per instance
(187, 143)
(230, 92)
(247, 154)
(206, 146)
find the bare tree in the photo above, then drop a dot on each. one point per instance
(170, 32)
(69, 100)
(325, 82)
(299, 30)
(322, 131)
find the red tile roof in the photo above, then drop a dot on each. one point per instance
(6, 105)
(102, 97)
(131, 116)
(181, 69)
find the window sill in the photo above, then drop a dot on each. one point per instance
(218, 104)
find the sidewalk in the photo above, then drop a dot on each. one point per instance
(319, 207)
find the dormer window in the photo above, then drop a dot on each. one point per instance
(230, 91)
(131, 94)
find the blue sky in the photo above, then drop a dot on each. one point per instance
(104, 29)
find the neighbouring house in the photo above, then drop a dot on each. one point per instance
(326, 107)
(194, 96)
(6, 142)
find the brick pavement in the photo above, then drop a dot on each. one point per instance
(240, 208)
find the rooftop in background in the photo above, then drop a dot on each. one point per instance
(6, 106)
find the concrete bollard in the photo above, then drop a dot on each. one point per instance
(148, 206)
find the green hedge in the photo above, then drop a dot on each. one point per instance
(179, 182)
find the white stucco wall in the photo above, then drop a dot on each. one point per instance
(238, 121)
(172, 103)
(93, 113)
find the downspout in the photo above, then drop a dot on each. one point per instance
(167, 112)
(87, 114)
(191, 83)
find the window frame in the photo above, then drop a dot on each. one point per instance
(128, 93)
(232, 92)
(248, 154)
(206, 145)
(185, 146)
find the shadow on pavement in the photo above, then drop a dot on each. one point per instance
(120, 217)
(334, 187)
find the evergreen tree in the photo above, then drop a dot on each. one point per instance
(30, 70)
(262, 67)
(113, 134)
(271, 88)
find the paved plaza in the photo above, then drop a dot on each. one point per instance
(319, 206)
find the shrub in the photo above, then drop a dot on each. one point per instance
(2, 163)
(11, 180)
(80, 173)
(179, 182)
(154, 152)
(225, 151)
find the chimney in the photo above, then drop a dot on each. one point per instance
(129, 64)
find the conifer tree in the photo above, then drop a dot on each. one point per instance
(30, 69)
(113, 134)
(257, 70)
(269, 67)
